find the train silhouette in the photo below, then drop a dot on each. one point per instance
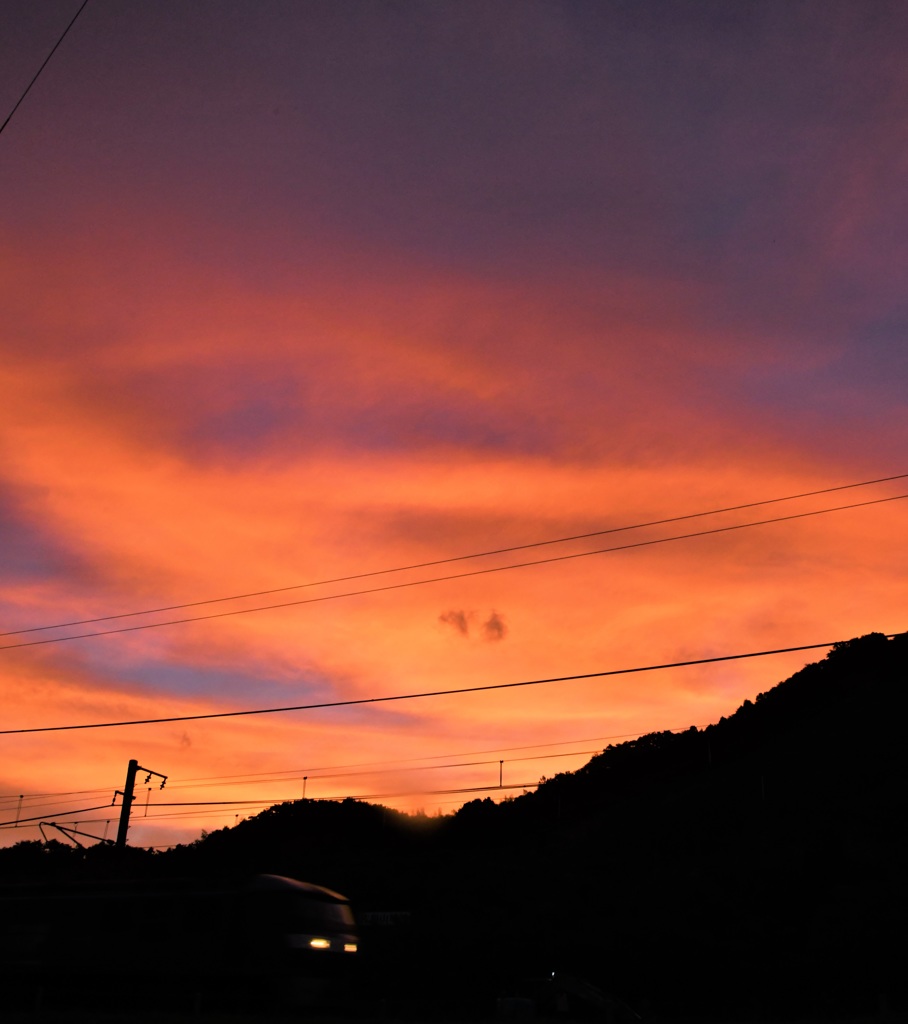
(268, 939)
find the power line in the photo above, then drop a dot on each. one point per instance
(445, 792)
(446, 561)
(332, 799)
(427, 693)
(43, 66)
(452, 576)
(297, 774)
(337, 773)
(341, 770)
(273, 776)
(401, 764)
(32, 804)
(69, 792)
(199, 815)
(251, 804)
(57, 814)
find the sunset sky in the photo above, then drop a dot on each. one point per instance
(300, 290)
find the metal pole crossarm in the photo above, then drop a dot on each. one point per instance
(129, 795)
(158, 775)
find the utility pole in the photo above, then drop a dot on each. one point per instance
(128, 795)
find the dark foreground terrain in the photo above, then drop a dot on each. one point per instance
(754, 870)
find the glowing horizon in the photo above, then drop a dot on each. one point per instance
(300, 293)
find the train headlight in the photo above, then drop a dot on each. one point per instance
(349, 947)
(320, 943)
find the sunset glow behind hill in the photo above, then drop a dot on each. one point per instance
(296, 292)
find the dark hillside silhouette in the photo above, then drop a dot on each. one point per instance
(753, 867)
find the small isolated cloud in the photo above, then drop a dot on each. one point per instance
(494, 628)
(459, 620)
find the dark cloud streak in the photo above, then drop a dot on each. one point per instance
(458, 620)
(492, 629)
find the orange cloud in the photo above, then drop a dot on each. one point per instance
(238, 441)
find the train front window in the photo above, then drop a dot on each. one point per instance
(296, 914)
(322, 916)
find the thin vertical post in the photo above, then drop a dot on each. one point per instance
(128, 789)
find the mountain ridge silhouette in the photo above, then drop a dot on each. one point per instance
(755, 866)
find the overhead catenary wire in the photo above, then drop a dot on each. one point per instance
(252, 804)
(452, 576)
(349, 796)
(67, 792)
(198, 816)
(272, 776)
(401, 765)
(453, 558)
(297, 775)
(36, 803)
(55, 814)
(9, 116)
(495, 686)
(426, 693)
(336, 775)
